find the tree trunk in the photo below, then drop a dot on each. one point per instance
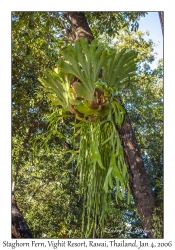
(20, 228)
(139, 182)
(161, 17)
(79, 25)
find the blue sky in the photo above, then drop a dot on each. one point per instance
(151, 22)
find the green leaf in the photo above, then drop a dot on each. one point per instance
(83, 108)
(82, 91)
(96, 156)
(108, 180)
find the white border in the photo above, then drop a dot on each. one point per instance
(5, 94)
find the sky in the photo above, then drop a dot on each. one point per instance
(151, 22)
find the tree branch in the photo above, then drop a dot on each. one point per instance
(26, 140)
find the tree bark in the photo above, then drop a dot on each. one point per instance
(79, 25)
(139, 182)
(161, 17)
(20, 228)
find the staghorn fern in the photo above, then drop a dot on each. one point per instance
(78, 87)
